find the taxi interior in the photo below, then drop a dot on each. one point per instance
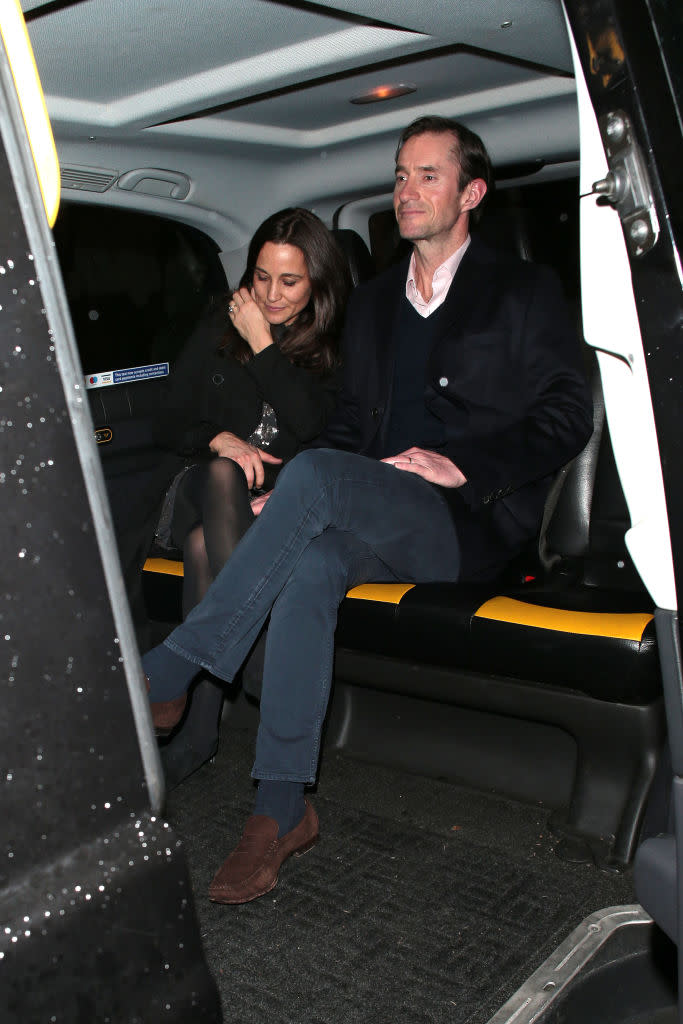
(522, 723)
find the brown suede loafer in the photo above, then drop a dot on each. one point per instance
(252, 868)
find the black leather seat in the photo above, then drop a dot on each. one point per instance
(357, 254)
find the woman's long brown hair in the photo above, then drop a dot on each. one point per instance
(313, 339)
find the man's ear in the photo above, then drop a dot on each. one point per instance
(474, 193)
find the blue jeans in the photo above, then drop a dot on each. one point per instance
(335, 520)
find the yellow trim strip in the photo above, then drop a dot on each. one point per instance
(389, 593)
(617, 625)
(163, 565)
(30, 92)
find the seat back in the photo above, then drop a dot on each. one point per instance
(586, 516)
(361, 265)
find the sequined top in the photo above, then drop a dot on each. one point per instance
(267, 428)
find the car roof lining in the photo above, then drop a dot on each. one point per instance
(407, 61)
(250, 101)
(134, 62)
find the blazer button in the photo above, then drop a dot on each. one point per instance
(375, 413)
(443, 382)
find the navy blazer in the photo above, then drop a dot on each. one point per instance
(504, 376)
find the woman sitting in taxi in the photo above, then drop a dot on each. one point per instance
(243, 402)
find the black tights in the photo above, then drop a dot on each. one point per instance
(212, 512)
(215, 497)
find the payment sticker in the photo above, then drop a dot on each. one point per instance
(107, 378)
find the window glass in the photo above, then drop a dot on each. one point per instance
(135, 283)
(539, 222)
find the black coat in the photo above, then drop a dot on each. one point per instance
(211, 391)
(504, 376)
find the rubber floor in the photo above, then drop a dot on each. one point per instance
(423, 902)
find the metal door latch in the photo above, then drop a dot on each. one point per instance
(626, 186)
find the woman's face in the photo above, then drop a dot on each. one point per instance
(281, 283)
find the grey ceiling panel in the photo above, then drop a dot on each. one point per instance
(128, 46)
(531, 29)
(453, 74)
(129, 49)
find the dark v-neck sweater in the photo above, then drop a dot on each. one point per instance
(411, 422)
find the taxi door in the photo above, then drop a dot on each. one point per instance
(96, 913)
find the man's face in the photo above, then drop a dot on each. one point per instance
(428, 202)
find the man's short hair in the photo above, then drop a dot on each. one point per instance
(468, 150)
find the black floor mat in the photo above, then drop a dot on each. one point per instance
(422, 902)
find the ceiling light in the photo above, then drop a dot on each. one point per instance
(384, 92)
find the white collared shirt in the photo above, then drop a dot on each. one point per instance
(441, 282)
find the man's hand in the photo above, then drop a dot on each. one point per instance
(430, 465)
(258, 503)
(251, 459)
(249, 321)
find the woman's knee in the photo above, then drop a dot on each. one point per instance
(225, 486)
(224, 473)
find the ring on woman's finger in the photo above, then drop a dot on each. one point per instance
(231, 308)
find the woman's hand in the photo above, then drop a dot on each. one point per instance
(251, 459)
(249, 321)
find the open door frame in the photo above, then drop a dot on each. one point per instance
(628, 63)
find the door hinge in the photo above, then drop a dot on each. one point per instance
(626, 186)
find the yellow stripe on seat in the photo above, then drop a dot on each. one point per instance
(390, 593)
(619, 625)
(164, 565)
